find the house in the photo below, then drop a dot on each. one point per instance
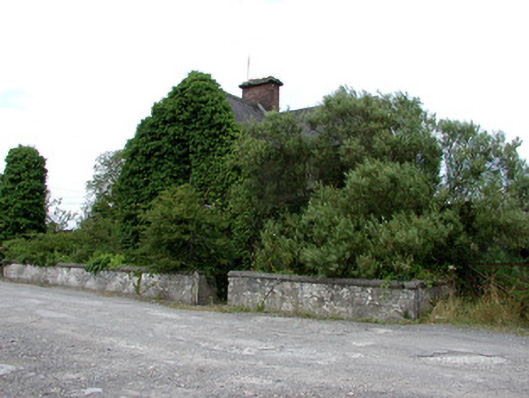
(258, 97)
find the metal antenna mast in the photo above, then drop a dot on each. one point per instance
(248, 69)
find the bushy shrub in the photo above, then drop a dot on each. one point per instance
(272, 161)
(97, 234)
(104, 261)
(181, 233)
(43, 249)
(351, 127)
(384, 222)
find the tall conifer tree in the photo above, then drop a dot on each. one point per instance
(23, 193)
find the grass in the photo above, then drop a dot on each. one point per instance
(493, 309)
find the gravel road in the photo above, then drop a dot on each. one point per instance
(64, 343)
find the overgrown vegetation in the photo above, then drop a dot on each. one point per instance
(184, 140)
(362, 186)
(43, 249)
(105, 261)
(100, 190)
(23, 194)
(491, 308)
(181, 233)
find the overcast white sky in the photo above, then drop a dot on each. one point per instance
(76, 77)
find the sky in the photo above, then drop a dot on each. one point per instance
(76, 77)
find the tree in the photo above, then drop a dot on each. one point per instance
(183, 141)
(101, 195)
(486, 183)
(3, 216)
(350, 127)
(271, 159)
(392, 193)
(155, 159)
(23, 193)
(286, 158)
(205, 118)
(384, 222)
(475, 160)
(183, 234)
(59, 219)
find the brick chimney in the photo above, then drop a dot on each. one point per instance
(264, 92)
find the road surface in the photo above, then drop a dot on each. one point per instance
(64, 343)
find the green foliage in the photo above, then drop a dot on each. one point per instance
(272, 158)
(280, 247)
(475, 160)
(184, 140)
(360, 160)
(206, 120)
(3, 214)
(363, 186)
(156, 158)
(58, 219)
(485, 183)
(282, 160)
(43, 249)
(23, 194)
(104, 261)
(350, 128)
(101, 193)
(181, 233)
(382, 208)
(97, 234)
(382, 222)
(272, 161)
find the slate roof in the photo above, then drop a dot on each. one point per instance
(244, 111)
(301, 116)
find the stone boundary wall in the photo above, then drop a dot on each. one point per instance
(186, 288)
(345, 298)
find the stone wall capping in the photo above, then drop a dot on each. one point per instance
(69, 265)
(416, 284)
